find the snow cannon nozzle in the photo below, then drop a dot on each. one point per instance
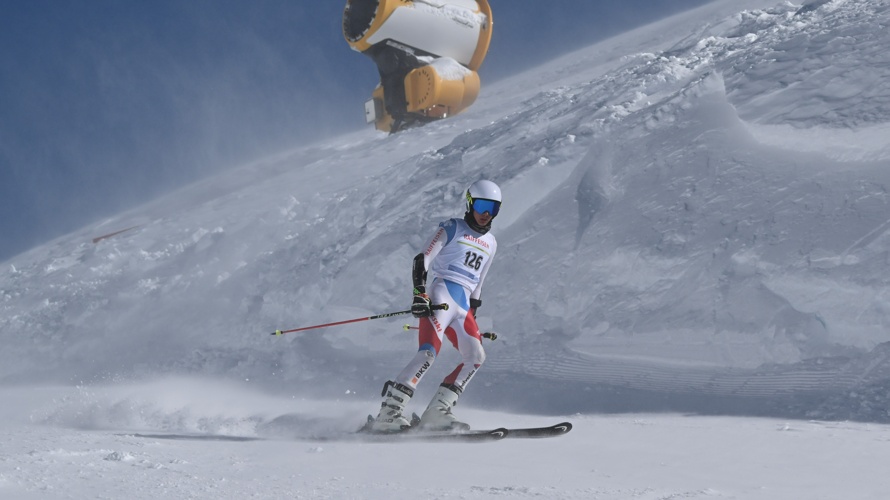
(428, 56)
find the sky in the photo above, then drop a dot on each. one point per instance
(105, 105)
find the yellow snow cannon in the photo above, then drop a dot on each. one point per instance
(427, 53)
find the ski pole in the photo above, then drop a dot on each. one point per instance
(485, 335)
(434, 307)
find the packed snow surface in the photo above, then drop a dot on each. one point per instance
(696, 221)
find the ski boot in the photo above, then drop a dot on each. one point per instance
(438, 416)
(390, 418)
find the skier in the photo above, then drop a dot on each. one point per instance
(454, 263)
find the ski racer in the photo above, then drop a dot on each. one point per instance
(450, 270)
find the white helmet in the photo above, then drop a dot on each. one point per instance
(484, 196)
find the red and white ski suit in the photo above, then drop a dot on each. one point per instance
(456, 259)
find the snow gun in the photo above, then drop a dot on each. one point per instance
(427, 53)
(434, 307)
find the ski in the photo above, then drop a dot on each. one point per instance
(410, 434)
(559, 429)
(413, 434)
(550, 431)
(439, 437)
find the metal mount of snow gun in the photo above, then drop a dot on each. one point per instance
(434, 307)
(427, 53)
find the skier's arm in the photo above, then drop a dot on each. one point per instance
(434, 246)
(420, 307)
(418, 271)
(422, 260)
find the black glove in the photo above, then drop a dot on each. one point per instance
(475, 304)
(420, 308)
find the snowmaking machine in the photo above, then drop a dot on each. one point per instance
(427, 53)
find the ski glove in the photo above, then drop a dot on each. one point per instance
(420, 308)
(475, 304)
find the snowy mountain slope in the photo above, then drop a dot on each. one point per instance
(679, 185)
(706, 211)
(721, 240)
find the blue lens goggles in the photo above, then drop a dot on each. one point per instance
(491, 206)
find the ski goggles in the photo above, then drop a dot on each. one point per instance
(482, 205)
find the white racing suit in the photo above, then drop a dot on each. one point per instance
(456, 259)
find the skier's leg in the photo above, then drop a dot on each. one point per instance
(464, 335)
(432, 330)
(430, 343)
(469, 344)
(397, 393)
